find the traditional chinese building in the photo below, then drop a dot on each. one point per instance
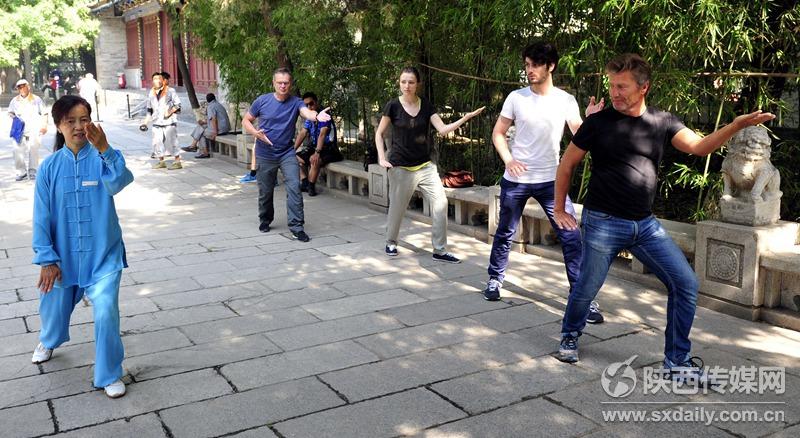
(135, 39)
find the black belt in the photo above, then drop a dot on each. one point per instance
(164, 126)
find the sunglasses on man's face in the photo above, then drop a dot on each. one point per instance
(19, 87)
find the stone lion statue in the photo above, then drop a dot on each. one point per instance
(747, 173)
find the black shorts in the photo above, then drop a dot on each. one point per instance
(330, 154)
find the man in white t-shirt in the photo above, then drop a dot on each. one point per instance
(539, 113)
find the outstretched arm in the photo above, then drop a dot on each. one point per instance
(686, 140)
(443, 129)
(314, 116)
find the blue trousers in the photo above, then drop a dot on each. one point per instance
(513, 197)
(55, 309)
(604, 236)
(267, 176)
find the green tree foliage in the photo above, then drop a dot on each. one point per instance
(48, 28)
(350, 51)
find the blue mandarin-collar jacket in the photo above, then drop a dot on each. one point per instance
(75, 223)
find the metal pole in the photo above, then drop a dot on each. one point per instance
(128, 99)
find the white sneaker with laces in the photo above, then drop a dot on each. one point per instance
(116, 389)
(41, 354)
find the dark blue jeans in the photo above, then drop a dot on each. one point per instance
(604, 236)
(267, 176)
(513, 197)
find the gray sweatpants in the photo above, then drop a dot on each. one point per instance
(402, 184)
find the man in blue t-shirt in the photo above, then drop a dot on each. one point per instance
(320, 147)
(277, 114)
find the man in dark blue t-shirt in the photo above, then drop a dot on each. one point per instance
(627, 143)
(277, 114)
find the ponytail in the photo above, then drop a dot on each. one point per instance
(60, 141)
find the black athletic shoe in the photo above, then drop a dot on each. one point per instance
(446, 257)
(301, 236)
(595, 317)
(264, 227)
(312, 190)
(492, 291)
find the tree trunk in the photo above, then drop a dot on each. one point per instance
(26, 62)
(184, 69)
(281, 53)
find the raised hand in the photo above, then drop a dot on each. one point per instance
(754, 118)
(97, 137)
(323, 115)
(476, 112)
(594, 107)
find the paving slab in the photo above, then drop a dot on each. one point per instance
(95, 408)
(249, 409)
(247, 325)
(355, 305)
(443, 309)
(296, 364)
(71, 356)
(400, 414)
(529, 419)
(27, 421)
(332, 331)
(282, 300)
(511, 383)
(142, 426)
(12, 327)
(197, 357)
(211, 295)
(513, 318)
(42, 387)
(401, 373)
(426, 337)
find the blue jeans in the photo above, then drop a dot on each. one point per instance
(55, 309)
(604, 236)
(513, 197)
(267, 176)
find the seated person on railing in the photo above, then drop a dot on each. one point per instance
(319, 148)
(216, 123)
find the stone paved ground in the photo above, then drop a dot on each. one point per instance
(231, 332)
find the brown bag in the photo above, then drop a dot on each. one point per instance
(457, 179)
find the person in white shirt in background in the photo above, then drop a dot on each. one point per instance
(88, 87)
(30, 109)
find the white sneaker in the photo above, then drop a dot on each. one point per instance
(116, 389)
(41, 354)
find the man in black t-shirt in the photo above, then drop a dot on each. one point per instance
(627, 142)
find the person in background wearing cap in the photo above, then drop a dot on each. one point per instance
(88, 89)
(30, 110)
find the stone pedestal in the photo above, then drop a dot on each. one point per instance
(378, 185)
(727, 258)
(244, 147)
(753, 213)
